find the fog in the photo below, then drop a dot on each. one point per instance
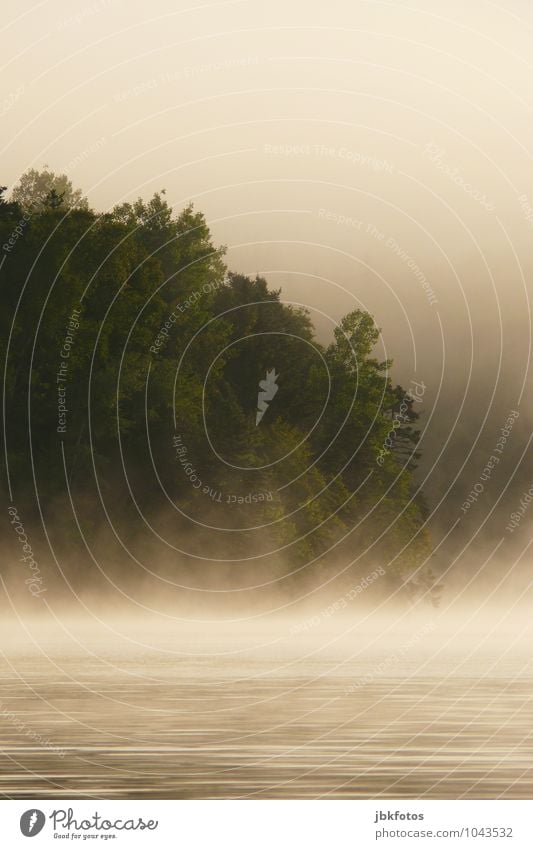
(368, 155)
(108, 707)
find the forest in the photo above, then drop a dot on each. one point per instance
(168, 418)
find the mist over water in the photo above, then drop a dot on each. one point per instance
(376, 705)
(200, 597)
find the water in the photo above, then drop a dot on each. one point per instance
(195, 712)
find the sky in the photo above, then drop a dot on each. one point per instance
(374, 155)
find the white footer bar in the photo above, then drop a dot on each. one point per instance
(268, 824)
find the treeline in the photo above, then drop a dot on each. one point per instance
(133, 366)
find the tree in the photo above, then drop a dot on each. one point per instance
(38, 189)
(8, 209)
(307, 482)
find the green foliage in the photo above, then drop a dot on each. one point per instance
(38, 190)
(133, 316)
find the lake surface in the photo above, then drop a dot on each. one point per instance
(174, 713)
